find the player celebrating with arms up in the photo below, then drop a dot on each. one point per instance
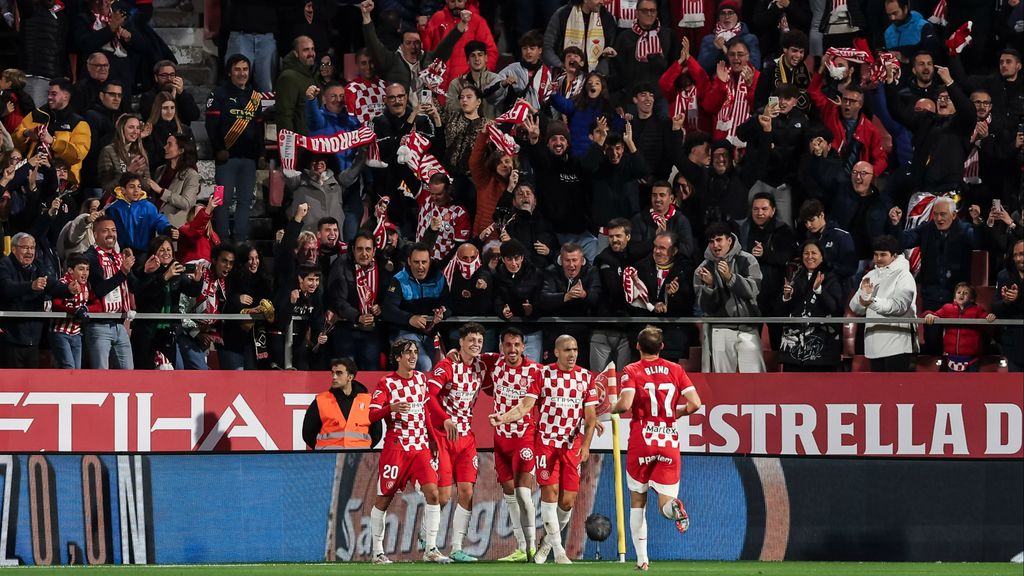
(401, 398)
(453, 389)
(567, 399)
(659, 392)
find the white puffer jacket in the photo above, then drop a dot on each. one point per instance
(894, 296)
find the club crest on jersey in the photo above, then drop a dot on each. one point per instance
(391, 484)
(526, 454)
(476, 462)
(545, 474)
(433, 463)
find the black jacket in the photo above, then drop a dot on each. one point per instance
(812, 344)
(466, 298)
(562, 190)
(779, 248)
(514, 290)
(677, 336)
(614, 189)
(644, 230)
(42, 40)
(18, 295)
(552, 295)
(342, 295)
(528, 228)
(610, 265)
(228, 104)
(945, 258)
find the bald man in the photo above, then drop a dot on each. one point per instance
(296, 76)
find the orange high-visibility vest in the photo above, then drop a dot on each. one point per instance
(337, 432)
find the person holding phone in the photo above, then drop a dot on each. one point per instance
(159, 290)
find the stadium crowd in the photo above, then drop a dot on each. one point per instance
(629, 158)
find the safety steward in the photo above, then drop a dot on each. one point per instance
(339, 418)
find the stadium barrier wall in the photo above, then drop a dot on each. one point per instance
(968, 416)
(289, 507)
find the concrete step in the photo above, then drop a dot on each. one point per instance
(201, 75)
(189, 45)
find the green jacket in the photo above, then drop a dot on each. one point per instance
(290, 94)
(390, 64)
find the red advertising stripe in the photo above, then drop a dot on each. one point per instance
(877, 415)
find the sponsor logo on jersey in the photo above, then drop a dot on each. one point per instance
(644, 460)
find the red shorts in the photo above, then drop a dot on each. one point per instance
(513, 456)
(652, 467)
(397, 467)
(456, 460)
(559, 466)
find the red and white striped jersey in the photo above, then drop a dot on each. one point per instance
(658, 387)
(410, 428)
(561, 397)
(510, 385)
(456, 385)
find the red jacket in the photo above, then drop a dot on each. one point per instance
(193, 241)
(961, 341)
(669, 89)
(443, 22)
(865, 132)
(715, 98)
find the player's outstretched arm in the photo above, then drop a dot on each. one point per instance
(692, 403)
(624, 402)
(515, 414)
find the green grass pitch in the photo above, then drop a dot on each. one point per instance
(577, 569)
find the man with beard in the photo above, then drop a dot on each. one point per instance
(668, 293)
(614, 169)
(989, 148)
(101, 117)
(414, 303)
(1009, 303)
(1006, 89)
(854, 136)
(329, 244)
(55, 127)
(908, 31)
(662, 216)
(571, 290)
(607, 342)
(530, 228)
(165, 73)
(292, 83)
(773, 244)
(517, 286)
(725, 194)
(355, 288)
(788, 68)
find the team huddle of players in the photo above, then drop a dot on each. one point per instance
(544, 419)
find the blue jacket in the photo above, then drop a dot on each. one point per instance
(320, 122)
(709, 55)
(915, 32)
(945, 258)
(407, 296)
(137, 223)
(580, 121)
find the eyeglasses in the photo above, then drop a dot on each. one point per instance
(943, 98)
(26, 248)
(114, 94)
(326, 64)
(982, 103)
(647, 10)
(395, 97)
(861, 174)
(166, 75)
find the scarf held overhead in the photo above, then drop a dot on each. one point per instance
(288, 141)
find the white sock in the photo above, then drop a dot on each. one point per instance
(638, 530)
(460, 526)
(431, 521)
(377, 529)
(668, 512)
(563, 518)
(513, 515)
(549, 515)
(527, 515)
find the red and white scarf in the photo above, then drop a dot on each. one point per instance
(938, 16)
(210, 296)
(971, 165)
(366, 286)
(662, 274)
(380, 231)
(624, 11)
(662, 220)
(539, 83)
(516, 114)
(837, 4)
(502, 141)
(70, 305)
(432, 77)
(735, 110)
(413, 153)
(466, 269)
(691, 13)
(288, 141)
(647, 41)
(635, 290)
(365, 98)
(101, 21)
(117, 300)
(686, 103)
(448, 236)
(728, 33)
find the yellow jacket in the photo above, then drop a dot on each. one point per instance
(71, 137)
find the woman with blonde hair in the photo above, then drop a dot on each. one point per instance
(125, 153)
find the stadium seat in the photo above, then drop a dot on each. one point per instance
(979, 268)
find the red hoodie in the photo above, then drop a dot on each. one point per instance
(194, 243)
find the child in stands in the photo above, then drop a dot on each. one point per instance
(961, 345)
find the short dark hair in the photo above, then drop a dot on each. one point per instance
(621, 223)
(471, 328)
(811, 208)
(418, 247)
(794, 39)
(512, 249)
(531, 38)
(764, 196)
(650, 340)
(717, 228)
(102, 218)
(331, 84)
(787, 91)
(672, 237)
(570, 247)
(104, 87)
(348, 363)
(76, 259)
(695, 139)
(512, 331)
(305, 270)
(920, 52)
(364, 233)
(326, 220)
(900, 3)
(664, 184)
(737, 40)
(886, 243)
(61, 83)
(219, 249)
(128, 177)
(642, 87)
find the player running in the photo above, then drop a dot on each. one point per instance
(511, 374)
(659, 392)
(401, 398)
(453, 390)
(567, 398)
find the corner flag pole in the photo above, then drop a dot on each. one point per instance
(613, 395)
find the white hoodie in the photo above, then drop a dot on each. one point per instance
(894, 296)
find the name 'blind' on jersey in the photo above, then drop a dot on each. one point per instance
(658, 387)
(561, 397)
(410, 428)
(459, 384)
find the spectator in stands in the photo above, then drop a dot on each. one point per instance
(234, 124)
(154, 342)
(137, 219)
(470, 288)
(652, 135)
(476, 30)
(250, 288)
(17, 103)
(946, 245)
(727, 283)
(561, 186)
(317, 188)
(493, 173)
(325, 72)
(888, 291)
(313, 20)
(339, 418)
(773, 244)
(664, 215)
(86, 92)
(835, 244)
(196, 338)
(251, 26)
(404, 65)
(477, 75)
(788, 68)
(790, 17)
(112, 280)
(441, 225)
(786, 127)
(43, 42)
(526, 225)
(164, 122)
(840, 22)
(571, 289)
(607, 341)
(326, 117)
(165, 73)
(812, 291)
(1005, 88)
(666, 275)
(176, 185)
(714, 47)
(908, 31)
(25, 285)
(585, 24)
(125, 154)
(1009, 304)
(414, 303)
(731, 97)
(990, 148)
(854, 136)
(101, 117)
(684, 85)
(961, 345)
(462, 125)
(355, 289)
(585, 110)
(76, 236)
(364, 94)
(726, 194)
(643, 51)
(614, 170)
(302, 311)
(570, 82)
(517, 286)
(292, 85)
(55, 126)
(196, 238)
(529, 78)
(66, 334)
(103, 26)
(19, 185)
(329, 244)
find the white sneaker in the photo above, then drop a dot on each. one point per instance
(560, 556)
(541, 555)
(434, 555)
(381, 559)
